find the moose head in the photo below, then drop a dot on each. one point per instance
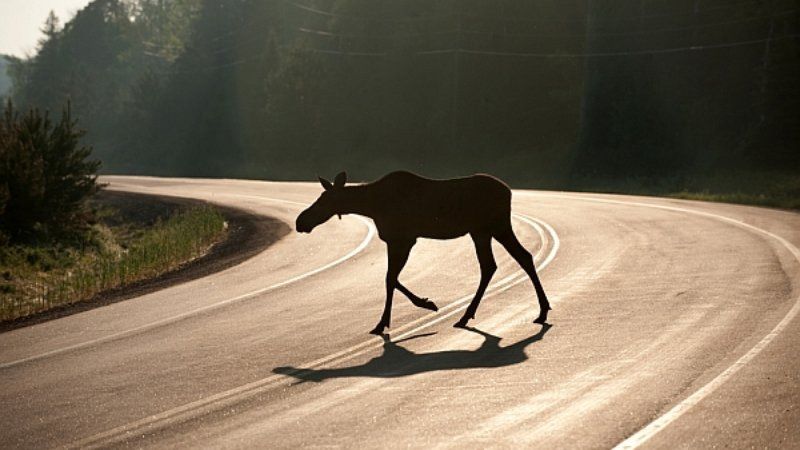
(328, 204)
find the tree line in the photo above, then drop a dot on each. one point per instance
(542, 93)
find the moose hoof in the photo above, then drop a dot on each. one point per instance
(542, 319)
(427, 304)
(461, 323)
(378, 330)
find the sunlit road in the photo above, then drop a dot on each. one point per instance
(673, 325)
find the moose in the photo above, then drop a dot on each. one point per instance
(406, 206)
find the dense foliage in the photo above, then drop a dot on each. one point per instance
(45, 176)
(5, 79)
(542, 92)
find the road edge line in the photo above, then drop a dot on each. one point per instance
(654, 427)
(371, 232)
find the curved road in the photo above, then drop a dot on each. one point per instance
(673, 326)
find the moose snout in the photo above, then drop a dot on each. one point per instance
(303, 224)
(302, 227)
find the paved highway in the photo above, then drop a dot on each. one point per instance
(673, 325)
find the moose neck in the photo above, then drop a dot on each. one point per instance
(357, 200)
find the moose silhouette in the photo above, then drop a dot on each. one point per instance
(406, 206)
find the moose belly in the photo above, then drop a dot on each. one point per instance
(426, 215)
(443, 227)
(443, 234)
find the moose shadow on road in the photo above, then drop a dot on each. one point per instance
(396, 361)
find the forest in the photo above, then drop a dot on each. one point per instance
(622, 95)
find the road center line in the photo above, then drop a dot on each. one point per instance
(239, 393)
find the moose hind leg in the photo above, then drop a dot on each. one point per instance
(483, 248)
(398, 255)
(417, 301)
(523, 257)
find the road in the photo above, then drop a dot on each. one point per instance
(673, 325)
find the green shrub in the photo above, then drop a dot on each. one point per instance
(45, 177)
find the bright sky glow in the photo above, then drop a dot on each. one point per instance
(21, 21)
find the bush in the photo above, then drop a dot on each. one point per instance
(45, 177)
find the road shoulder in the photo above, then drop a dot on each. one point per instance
(248, 235)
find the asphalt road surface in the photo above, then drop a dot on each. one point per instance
(673, 325)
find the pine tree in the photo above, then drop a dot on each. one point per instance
(45, 175)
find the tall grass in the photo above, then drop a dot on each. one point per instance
(168, 244)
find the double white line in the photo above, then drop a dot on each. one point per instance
(549, 239)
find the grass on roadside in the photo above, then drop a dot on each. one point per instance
(785, 202)
(37, 278)
(776, 190)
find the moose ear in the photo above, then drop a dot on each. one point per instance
(325, 183)
(340, 180)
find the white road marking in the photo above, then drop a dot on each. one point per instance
(541, 413)
(370, 234)
(237, 394)
(651, 429)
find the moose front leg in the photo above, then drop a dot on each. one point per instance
(417, 301)
(398, 255)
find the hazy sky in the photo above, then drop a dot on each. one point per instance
(20, 21)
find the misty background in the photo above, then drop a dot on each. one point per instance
(623, 95)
